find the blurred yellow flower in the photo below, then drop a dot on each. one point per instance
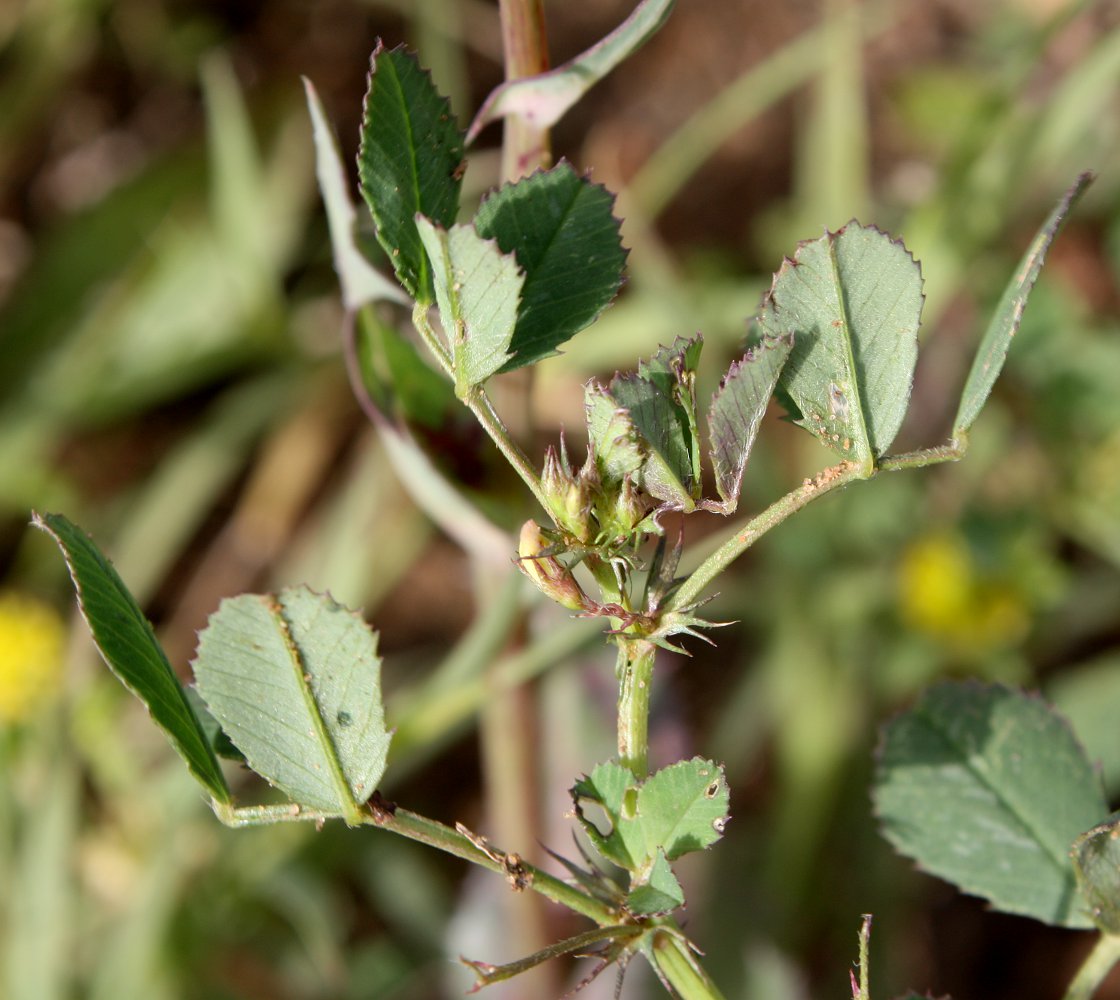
(943, 593)
(32, 635)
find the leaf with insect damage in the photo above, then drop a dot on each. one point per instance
(852, 300)
(679, 809)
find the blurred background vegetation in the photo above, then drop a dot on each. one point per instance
(170, 378)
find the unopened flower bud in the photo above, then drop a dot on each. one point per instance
(550, 576)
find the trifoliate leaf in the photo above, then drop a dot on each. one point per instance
(295, 680)
(410, 162)
(737, 409)
(1009, 314)
(128, 645)
(988, 788)
(560, 228)
(679, 809)
(852, 300)
(478, 289)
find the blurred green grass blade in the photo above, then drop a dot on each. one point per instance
(360, 281)
(128, 644)
(562, 230)
(1009, 313)
(988, 788)
(78, 256)
(832, 161)
(683, 152)
(39, 940)
(409, 162)
(174, 501)
(295, 681)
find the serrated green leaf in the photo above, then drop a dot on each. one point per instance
(853, 301)
(478, 289)
(679, 809)
(295, 680)
(989, 360)
(683, 807)
(128, 645)
(987, 788)
(660, 893)
(561, 229)
(1096, 860)
(737, 409)
(410, 162)
(361, 282)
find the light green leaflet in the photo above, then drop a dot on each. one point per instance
(852, 301)
(294, 679)
(478, 290)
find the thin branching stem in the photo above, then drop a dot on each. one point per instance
(833, 478)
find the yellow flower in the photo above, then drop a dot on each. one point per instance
(943, 593)
(32, 635)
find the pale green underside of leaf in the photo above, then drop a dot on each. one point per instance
(560, 228)
(1096, 858)
(295, 680)
(611, 435)
(660, 893)
(737, 410)
(853, 302)
(543, 99)
(128, 645)
(1009, 313)
(478, 289)
(409, 162)
(987, 788)
(360, 281)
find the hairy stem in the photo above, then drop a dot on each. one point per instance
(744, 537)
(479, 404)
(1096, 966)
(833, 478)
(635, 680)
(427, 831)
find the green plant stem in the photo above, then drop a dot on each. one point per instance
(833, 478)
(525, 146)
(427, 831)
(1098, 964)
(743, 538)
(635, 681)
(675, 961)
(480, 405)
